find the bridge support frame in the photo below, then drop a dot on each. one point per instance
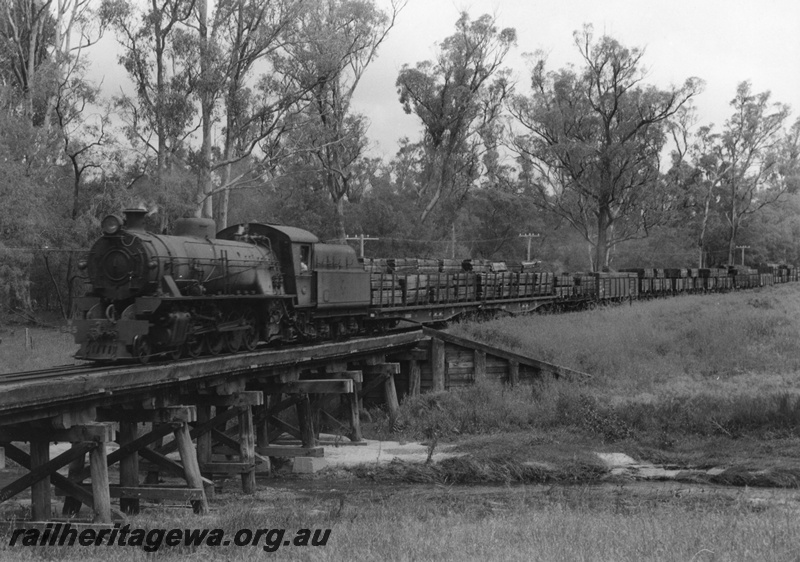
(89, 438)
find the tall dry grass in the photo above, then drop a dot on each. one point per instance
(520, 524)
(43, 348)
(693, 381)
(691, 344)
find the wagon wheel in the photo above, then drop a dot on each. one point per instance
(215, 341)
(142, 349)
(194, 346)
(250, 334)
(233, 340)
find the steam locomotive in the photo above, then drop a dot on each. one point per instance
(196, 292)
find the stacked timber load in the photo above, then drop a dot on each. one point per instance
(787, 273)
(375, 265)
(768, 274)
(676, 273)
(465, 286)
(615, 284)
(535, 283)
(675, 278)
(416, 289)
(709, 282)
(526, 284)
(403, 265)
(385, 290)
(744, 277)
(564, 285)
(476, 266)
(632, 283)
(722, 279)
(495, 285)
(427, 265)
(451, 265)
(440, 287)
(585, 285)
(691, 282)
(638, 271)
(544, 282)
(646, 278)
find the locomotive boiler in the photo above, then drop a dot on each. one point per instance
(177, 294)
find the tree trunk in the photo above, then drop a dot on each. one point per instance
(601, 249)
(701, 242)
(732, 245)
(204, 187)
(734, 219)
(341, 236)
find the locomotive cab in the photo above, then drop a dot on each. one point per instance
(321, 276)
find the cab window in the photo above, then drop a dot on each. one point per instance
(305, 258)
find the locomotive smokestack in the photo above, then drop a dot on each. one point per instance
(134, 219)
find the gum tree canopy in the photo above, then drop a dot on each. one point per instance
(592, 141)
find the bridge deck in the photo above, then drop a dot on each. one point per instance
(22, 401)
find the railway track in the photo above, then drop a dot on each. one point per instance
(51, 372)
(62, 371)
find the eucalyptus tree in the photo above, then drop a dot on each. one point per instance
(253, 32)
(50, 139)
(334, 42)
(591, 143)
(159, 114)
(753, 161)
(27, 31)
(458, 98)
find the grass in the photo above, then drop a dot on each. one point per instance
(520, 523)
(696, 381)
(45, 347)
(692, 343)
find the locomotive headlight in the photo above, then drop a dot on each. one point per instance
(111, 224)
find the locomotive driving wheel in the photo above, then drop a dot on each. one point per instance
(215, 342)
(250, 334)
(194, 346)
(233, 340)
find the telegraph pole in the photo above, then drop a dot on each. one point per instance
(743, 248)
(361, 238)
(530, 236)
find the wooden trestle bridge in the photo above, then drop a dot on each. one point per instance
(227, 405)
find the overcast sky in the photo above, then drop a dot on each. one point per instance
(724, 42)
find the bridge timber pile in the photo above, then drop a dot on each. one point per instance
(229, 405)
